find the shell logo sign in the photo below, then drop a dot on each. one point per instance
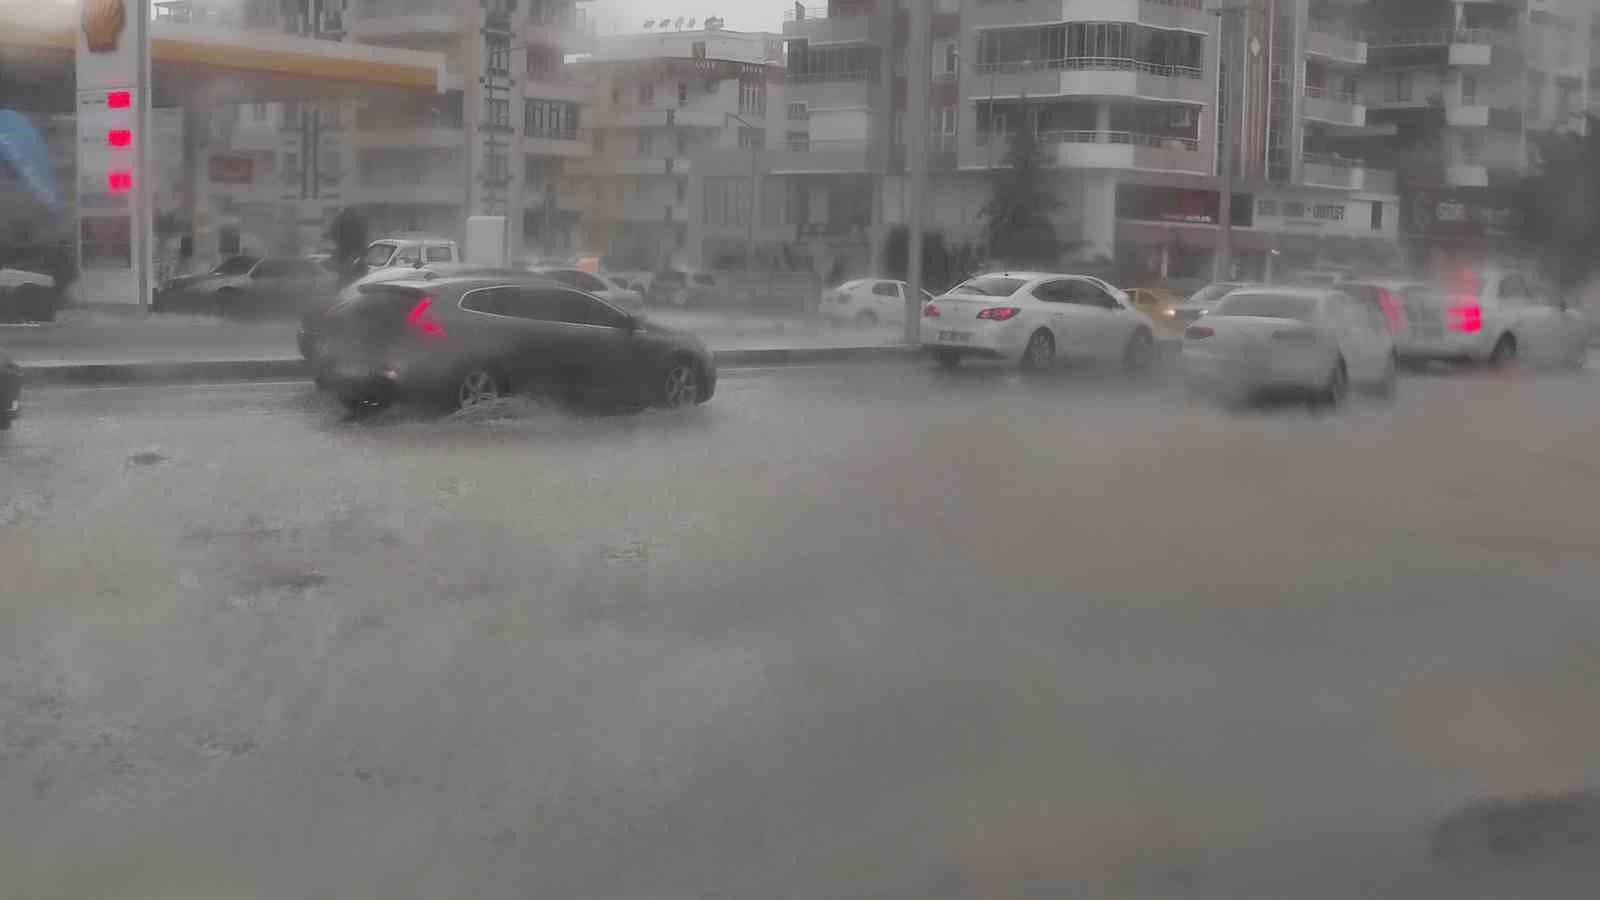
(103, 22)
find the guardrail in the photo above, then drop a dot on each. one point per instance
(1096, 63)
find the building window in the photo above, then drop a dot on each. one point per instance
(644, 143)
(683, 143)
(533, 172)
(750, 138)
(1469, 89)
(554, 119)
(1397, 87)
(683, 189)
(752, 97)
(798, 141)
(1535, 97)
(1471, 149)
(499, 48)
(683, 93)
(647, 94)
(495, 168)
(1377, 216)
(726, 200)
(799, 112)
(698, 50)
(291, 167)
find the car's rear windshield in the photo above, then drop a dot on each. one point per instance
(989, 286)
(1211, 293)
(1267, 306)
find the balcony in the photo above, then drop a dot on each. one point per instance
(1467, 46)
(400, 20)
(1336, 44)
(573, 34)
(1466, 115)
(1189, 14)
(1092, 76)
(570, 143)
(810, 157)
(1337, 108)
(556, 86)
(832, 90)
(848, 25)
(533, 198)
(1344, 173)
(601, 166)
(663, 118)
(1103, 150)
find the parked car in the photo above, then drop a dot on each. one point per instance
(10, 391)
(1493, 317)
(245, 286)
(1161, 305)
(866, 302)
(27, 296)
(313, 319)
(1034, 318)
(1203, 300)
(466, 341)
(683, 288)
(1311, 341)
(590, 283)
(409, 250)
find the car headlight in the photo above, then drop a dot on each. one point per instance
(1169, 313)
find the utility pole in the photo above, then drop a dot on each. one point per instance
(1222, 262)
(882, 131)
(918, 70)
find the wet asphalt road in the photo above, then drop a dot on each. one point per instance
(846, 632)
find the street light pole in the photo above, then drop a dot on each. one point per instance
(919, 71)
(755, 184)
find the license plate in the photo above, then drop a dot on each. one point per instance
(956, 337)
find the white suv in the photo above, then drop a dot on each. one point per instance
(410, 251)
(1491, 316)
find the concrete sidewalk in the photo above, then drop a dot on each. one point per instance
(90, 346)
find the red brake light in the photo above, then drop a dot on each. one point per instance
(930, 311)
(1467, 316)
(999, 313)
(1195, 332)
(421, 322)
(1393, 309)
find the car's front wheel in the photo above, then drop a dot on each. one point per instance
(680, 386)
(1336, 386)
(1139, 354)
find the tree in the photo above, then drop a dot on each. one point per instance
(1560, 215)
(943, 265)
(1017, 221)
(348, 232)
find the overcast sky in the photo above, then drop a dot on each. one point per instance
(741, 15)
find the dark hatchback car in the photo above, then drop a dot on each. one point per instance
(466, 341)
(10, 391)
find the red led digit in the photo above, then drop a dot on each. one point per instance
(119, 99)
(119, 137)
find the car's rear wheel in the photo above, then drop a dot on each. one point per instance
(680, 386)
(1390, 380)
(1504, 354)
(1040, 350)
(478, 386)
(1139, 354)
(947, 359)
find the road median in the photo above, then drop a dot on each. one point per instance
(90, 373)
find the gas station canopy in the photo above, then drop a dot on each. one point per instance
(222, 65)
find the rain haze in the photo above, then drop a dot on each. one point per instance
(474, 449)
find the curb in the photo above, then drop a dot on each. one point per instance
(90, 374)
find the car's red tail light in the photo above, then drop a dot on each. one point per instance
(999, 313)
(1466, 316)
(930, 311)
(1195, 332)
(421, 322)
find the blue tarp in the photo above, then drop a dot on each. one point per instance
(25, 152)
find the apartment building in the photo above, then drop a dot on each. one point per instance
(1126, 97)
(1466, 89)
(681, 120)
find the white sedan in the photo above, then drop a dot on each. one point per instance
(866, 302)
(1035, 318)
(590, 283)
(1312, 341)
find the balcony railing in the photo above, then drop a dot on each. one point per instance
(822, 77)
(1134, 138)
(376, 119)
(1440, 36)
(369, 9)
(554, 134)
(1319, 92)
(1096, 63)
(798, 13)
